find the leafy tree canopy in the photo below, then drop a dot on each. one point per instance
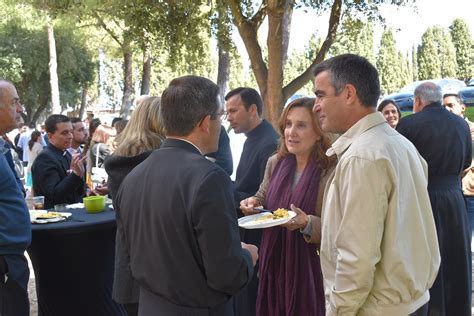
(28, 48)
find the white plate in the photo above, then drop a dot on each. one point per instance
(34, 214)
(253, 222)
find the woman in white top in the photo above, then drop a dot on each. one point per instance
(34, 148)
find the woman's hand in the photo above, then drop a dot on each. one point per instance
(299, 221)
(248, 206)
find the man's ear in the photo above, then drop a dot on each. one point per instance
(205, 124)
(351, 93)
(253, 110)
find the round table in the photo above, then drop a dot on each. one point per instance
(73, 263)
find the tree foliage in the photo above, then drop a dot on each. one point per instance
(388, 63)
(429, 65)
(414, 63)
(406, 72)
(178, 33)
(356, 37)
(299, 61)
(446, 52)
(248, 18)
(464, 45)
(31, 77)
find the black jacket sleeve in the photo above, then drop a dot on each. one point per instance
(227, 266)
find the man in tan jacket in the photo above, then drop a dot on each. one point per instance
(379, 249)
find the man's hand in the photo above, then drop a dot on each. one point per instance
(102, 189)
(253, 251)
(77, 165)
(248, 206)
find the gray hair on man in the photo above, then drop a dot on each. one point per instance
(3, 84)
(429, 92)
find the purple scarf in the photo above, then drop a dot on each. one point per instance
(290, 275)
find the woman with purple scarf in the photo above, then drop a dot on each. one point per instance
(291, 281)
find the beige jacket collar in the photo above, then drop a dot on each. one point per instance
(346, 139)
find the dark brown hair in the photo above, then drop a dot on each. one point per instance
(34, 138)
(386, 102)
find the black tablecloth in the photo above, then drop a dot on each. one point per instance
(73, 262)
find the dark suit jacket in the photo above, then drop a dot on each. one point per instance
(177, 213)
(441, 137)
(51, 178)
(261, 143)
(444, 141)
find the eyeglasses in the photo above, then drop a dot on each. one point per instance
(221, 115)
(224, 115)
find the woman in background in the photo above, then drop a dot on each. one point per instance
(101, 145)
(120, 126)
(291, 281)
(34, 148)
(390, 111)
(93, 124)
(137, 141)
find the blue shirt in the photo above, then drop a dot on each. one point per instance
(15, 226)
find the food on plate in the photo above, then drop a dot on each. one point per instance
(264, 218)
(277, 214)
(280, 213)
(49, 215)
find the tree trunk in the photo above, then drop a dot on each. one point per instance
(248, 30)
(270, 79)
(287, 18)
(127, 76)
(39, 110)
(223, 72)
(83, 101)
(273, 97)
(307, 75)
(146, 73)
(53, 73)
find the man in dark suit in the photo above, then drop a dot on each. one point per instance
(244, 112)
(15, 229)
(178, 215)
(56, 174)
(444, 141)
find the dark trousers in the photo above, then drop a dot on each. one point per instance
(131, 309)
(470, 210)
(151, 304)
(14, 276)
(422, 311)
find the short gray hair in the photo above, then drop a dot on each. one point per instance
(355, 70)
(429, 92)
(2, 88)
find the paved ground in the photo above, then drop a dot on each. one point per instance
(32, 291)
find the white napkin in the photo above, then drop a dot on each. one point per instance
(76, 205)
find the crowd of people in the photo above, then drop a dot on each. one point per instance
(381, 202)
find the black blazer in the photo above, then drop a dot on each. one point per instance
(178, 216)
(52, 179)
(442, 138)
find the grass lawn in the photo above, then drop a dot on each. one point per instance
(469, 113)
